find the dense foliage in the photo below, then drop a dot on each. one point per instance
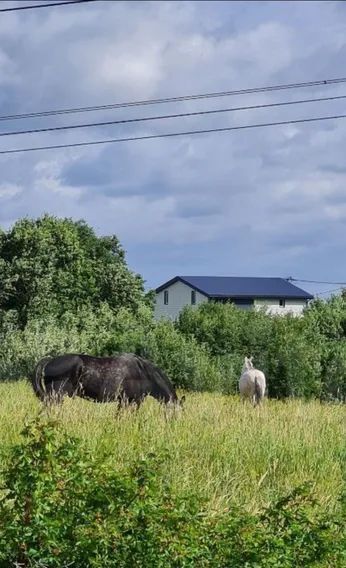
(300, 356)
(50, 266)
(61, 506)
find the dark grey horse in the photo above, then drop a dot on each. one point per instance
(124, 378)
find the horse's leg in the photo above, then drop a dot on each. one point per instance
(126, 402)
(171, 408)
(245, 397)
(53, 397)
(117, 406)
(136, 402)
(122, 401)
(254, 397)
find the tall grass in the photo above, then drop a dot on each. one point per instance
(228, 452)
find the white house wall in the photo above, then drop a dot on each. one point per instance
(273, 307)
(179, 296)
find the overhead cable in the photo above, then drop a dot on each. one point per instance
(172, 134)
(290, 279)
(52, 4)
(38, 114)
(328, 291)
(167, 116)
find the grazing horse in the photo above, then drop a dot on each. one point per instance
(252, 383)
(125, 378)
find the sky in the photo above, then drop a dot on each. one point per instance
(257, 202)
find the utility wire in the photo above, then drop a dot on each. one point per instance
(328, 291)
(267, 89)
(33, 6)
(290, 279)
(168, 116)
(173, 134)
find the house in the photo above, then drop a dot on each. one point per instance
(276, 294)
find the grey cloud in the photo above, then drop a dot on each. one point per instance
(334, 168)
(87, 173)
(196, 209)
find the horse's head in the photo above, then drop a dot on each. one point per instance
(248, 364)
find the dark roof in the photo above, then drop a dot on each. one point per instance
(240, 287)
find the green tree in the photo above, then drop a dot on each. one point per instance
(51, 265)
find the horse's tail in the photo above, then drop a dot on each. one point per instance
(37, 380)
(258, 391)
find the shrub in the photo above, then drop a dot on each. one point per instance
(99, 332)
(188, 364)
(61, 507)
(286, 348)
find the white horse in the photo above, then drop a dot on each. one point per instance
(252, 383)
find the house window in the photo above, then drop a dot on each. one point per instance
(193, 297)
(282, 303)
(165, 297)
(243, 303)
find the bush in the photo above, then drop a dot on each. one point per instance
(292, 360)
(188, 364)
(99, 332)
(299, 356)
(61, 507)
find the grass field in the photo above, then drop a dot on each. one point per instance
(223, 449)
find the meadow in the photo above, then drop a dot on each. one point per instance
(219, 484)
(219, 447)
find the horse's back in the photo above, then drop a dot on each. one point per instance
(248, 380)
(247, 383)
(125, 375)
(61, 366)
(261, 381)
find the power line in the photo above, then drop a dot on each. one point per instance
(324, 82)
(33, 6)
(172, 135)
(168, 116)
(328, 291)
(290, 279)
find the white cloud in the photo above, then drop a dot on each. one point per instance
(7, 70)
(8, 190)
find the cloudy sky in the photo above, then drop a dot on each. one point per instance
(260, 202)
